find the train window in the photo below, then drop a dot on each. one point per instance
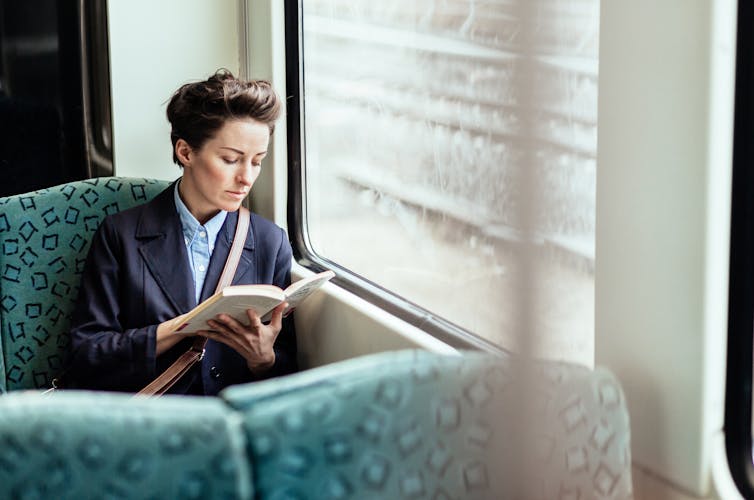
(418, 125)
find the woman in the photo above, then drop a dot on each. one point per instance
(149, 265)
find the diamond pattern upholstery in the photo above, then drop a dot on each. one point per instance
(406, 424)
(75, 445)
(412, 424)
(44, 239)
(575, 434)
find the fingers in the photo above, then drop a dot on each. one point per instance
(171, 326)
(229, 322)
(254, 333)
(230, 341)
(255, 342)
(276, 322)
(254, 320)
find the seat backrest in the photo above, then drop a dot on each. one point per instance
(413, 424)
(77, 444)
(44, 240)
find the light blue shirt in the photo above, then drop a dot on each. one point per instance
(199, 240)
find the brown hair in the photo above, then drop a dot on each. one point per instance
(198, 110)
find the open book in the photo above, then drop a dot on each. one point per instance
(236, 299)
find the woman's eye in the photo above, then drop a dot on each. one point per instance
(230, 161)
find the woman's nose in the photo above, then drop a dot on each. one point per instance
(246, 174)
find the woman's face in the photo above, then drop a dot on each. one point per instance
(219, 175)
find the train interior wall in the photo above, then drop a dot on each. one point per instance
(154, 48)
(663, 196)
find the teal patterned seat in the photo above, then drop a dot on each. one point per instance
(412, 424)
(78, 445)
(44, 239)
(397, 425)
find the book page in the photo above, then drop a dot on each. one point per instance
(301, 289)
(297, 292)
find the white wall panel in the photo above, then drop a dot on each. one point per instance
(156, 46)
(663, 194)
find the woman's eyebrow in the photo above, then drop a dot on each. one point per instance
(232, 149)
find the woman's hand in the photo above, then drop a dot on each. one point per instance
(166, 336)
(254, 341)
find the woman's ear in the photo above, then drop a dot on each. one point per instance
(184, 152)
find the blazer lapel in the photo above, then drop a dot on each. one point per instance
(164, 252)
(246, 269)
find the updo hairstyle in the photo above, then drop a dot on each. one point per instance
(196, 111)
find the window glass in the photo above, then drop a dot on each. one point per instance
(419, 118)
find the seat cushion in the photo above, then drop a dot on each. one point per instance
(76, 445)
(44, 240)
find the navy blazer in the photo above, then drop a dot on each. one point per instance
(137, 275)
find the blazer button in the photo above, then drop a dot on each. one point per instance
(214, 372)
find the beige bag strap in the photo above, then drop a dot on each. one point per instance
(183, 364)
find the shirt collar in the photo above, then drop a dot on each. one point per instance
(191, 226)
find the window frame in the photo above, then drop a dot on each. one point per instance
(303, 252)
(738, 386)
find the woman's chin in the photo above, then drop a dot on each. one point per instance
(231, 206)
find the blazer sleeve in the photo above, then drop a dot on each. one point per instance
(105, 355)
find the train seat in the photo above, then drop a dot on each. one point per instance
(76, 444)
(44, 239)
(412, 424)
(404, 424)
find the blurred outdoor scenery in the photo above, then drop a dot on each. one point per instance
(438, 135)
